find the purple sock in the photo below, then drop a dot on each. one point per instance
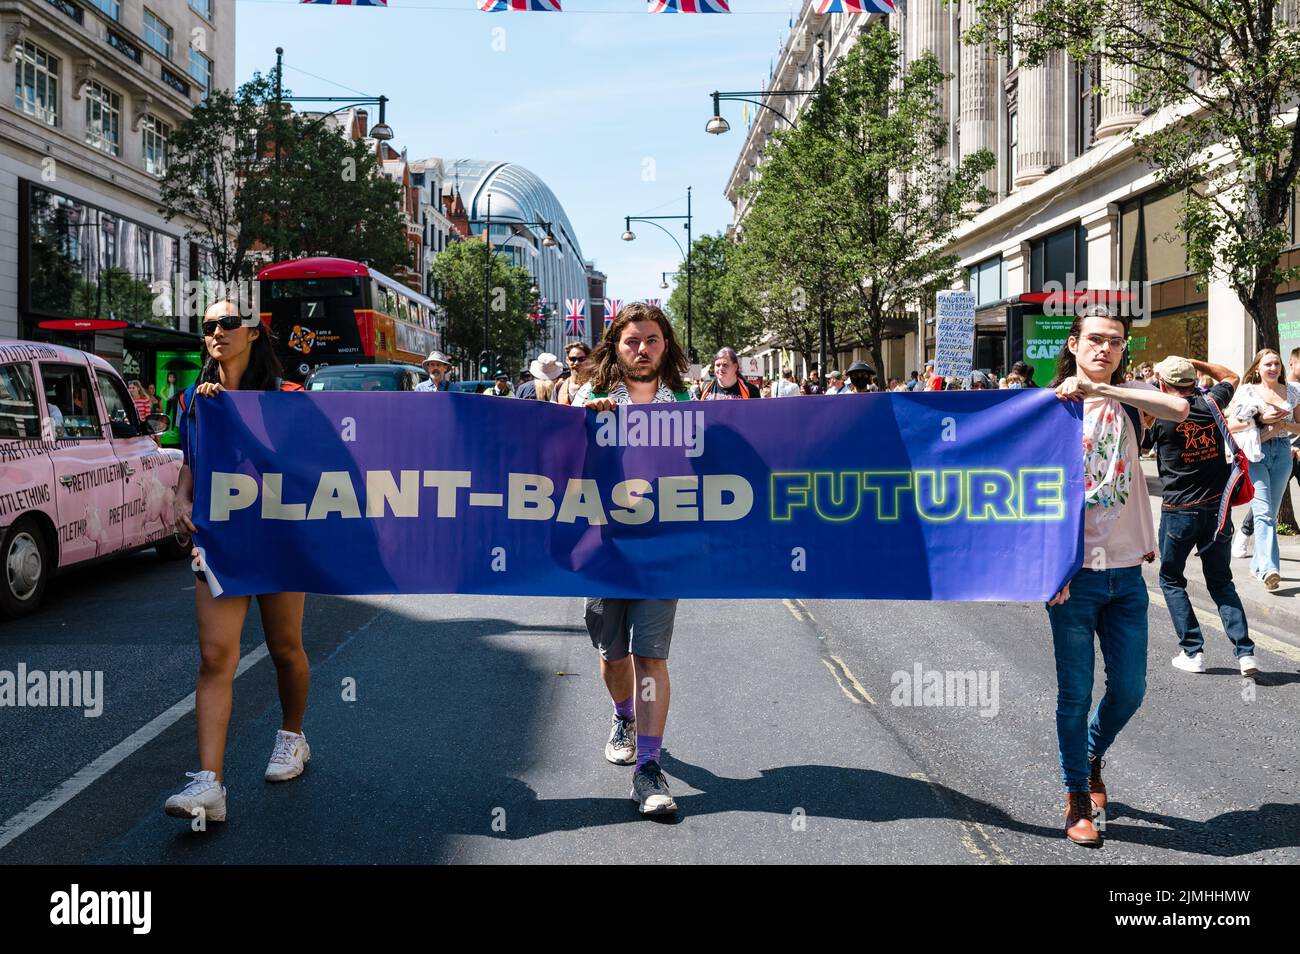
(647, 748)
(626, 708)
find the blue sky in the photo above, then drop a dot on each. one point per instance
(606, 103)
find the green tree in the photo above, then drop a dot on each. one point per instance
(1232, 68)
(324, 196)
(459, 272)
(720, 315)
(337, 201)
(856, 203)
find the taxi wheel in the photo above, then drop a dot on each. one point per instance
(175, 547)
(25, 559)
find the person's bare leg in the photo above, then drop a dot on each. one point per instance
(653, 694)
(619, 678)
(221, 620)
(282, 624)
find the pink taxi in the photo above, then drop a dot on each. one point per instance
(81, 476)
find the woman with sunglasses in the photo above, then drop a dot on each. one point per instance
(576, 355)
(1105, 603)
(240, 358)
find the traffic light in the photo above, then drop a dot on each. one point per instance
(484, 364)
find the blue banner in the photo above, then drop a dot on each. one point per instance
(973, 495)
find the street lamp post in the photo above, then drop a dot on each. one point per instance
(381, 131)
(717, 126)
(548, 241)
(629, 236)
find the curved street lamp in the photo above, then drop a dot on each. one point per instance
(629, 236)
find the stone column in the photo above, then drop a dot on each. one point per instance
(1102, 228)
(1231, 330)
(1118, 111)
(1041, 126)
(928, 29)
(978, 121)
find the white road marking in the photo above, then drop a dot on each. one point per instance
(42, 808)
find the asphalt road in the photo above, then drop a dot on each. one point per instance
(478, 726)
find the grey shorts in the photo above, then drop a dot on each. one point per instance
(619, 626)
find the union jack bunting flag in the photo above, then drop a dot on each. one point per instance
(539, 314)
(537, 6)
(690, 6)
(856, 6)
(612, 307)
(575, 318)
(656, 302)
(349, 3)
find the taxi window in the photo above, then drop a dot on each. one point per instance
(18, 412)
(70, 401)
(120, 408)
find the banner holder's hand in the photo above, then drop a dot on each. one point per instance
(604, 404)
(1075, 389)
(1060, 597)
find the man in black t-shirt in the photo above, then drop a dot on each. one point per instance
(1194, 475)
(727, 384)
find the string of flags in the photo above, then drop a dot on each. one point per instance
(652, 6)
(534, 6)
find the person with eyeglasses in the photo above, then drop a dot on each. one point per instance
(1106, 601)
(240, 358)
(575, 355)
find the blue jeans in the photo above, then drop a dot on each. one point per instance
(1181, 531)
(1113, 605)
(1270, 477)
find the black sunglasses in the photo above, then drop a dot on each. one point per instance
(227, 322)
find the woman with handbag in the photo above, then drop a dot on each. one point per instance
(1263, 417)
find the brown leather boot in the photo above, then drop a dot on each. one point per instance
(1078, 820)
(1096, 787)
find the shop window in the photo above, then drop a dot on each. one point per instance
(1060, 257)
(155, 134)
(1152, 243)
(104, 119)
(36, 83)
(1183, 333)
(83, 261)
(985, 280)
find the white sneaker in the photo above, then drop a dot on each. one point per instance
(290, 754)
(203, 796)
(1190, 663)
(1240, 544)
(621, 747)
(1248, 667)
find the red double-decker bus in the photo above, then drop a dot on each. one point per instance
(336, 311)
